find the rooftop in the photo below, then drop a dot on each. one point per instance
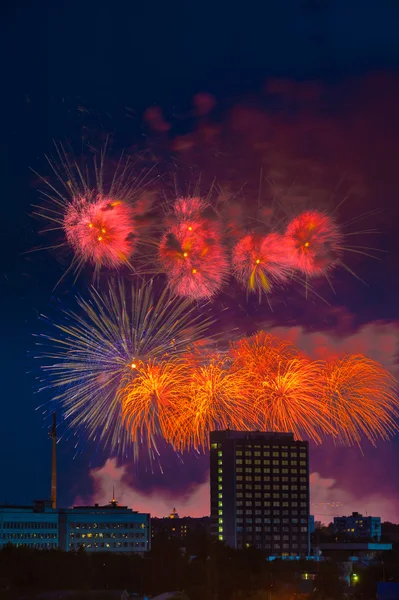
(362, 546)
(227, 434)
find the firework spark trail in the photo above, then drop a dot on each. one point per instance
(214, 400)
(99, 217)
(286, 390)
(152, 399)
(290, 398)
(362, 399)
(96, 350)
(261, 263)
(315, 243)
(262, 351)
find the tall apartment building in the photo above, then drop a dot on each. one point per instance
(260, 491)
(358, 526)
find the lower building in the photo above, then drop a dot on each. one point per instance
(30, 526)
(110, 528)
(175, 527)
(358, 526)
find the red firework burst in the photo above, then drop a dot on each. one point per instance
(315, 243)
(195, 262)
(100, 231)
(260, 263)
(97, 209)
(189, 209)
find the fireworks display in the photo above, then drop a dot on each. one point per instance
(128, 371)
(125, 365)
(99, 350)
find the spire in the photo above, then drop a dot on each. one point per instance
(53, 436)
(113, 501)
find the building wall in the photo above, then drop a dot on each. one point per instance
(358, 526)
(179, 527)
(29, 526)
(260, 491)
(105, 529)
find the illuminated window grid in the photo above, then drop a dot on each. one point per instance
(220, 495)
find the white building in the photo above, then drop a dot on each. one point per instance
(110, 528)
(32, 526)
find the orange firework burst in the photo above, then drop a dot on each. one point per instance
(215, 400)
(290, 398)
(362, 399)
(262, 350)
(151, 400)
(285, 389)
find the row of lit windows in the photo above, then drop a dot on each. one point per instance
(272, 493)
(277, 521)
(40, 546)
(267, 547)
(276, 547)
(108, 545)
(259, 510)
(29, 525)
(220, 504)
(275, 486)
(276, 470)
(293, 513)
(272, 481)
(275, 528)
(107, 535)
(276, 536)
(29, 536)
(269, 538)
(275, 480)
(275, 453)
(268, 497)
(256, 464)
(107, 525)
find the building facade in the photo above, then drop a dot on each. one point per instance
(30, 526)
(260, 491)
(358, 526)
(175, 527)
(110, 528)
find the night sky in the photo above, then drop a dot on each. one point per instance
(304, 93)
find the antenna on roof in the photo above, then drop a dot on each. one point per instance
(113, 501)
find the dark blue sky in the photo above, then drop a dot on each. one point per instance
(105, 57)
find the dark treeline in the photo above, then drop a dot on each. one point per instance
(206, 570)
